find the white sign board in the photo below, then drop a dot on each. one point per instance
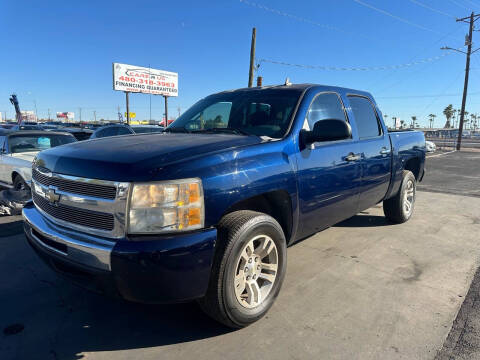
(28, 115)
(65, 115)
(133, 78)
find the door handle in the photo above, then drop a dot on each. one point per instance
(385, 151)
(352, 157)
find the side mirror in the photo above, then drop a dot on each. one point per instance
(327, 130)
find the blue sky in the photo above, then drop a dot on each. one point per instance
(58, 54)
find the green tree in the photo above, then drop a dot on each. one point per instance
(448, 112)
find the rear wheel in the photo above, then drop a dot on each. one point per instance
(400, 208)
(248, 270)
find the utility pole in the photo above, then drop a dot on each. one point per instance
(95, 115)
(80, 113)
(48, 114)
(468, 41)
(252, 58)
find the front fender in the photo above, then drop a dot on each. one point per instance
(24, 170)
(236, 175)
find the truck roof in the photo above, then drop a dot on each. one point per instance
(302, 88)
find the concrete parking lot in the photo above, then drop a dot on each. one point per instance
(363, 289)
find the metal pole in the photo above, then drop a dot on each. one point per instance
(465, 86)
(252, 57)
(166, 110)
(128, 108)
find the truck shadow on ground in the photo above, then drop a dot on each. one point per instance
(364, 220)
(11, 228)
(62, 321)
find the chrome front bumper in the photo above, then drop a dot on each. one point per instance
(72, 245)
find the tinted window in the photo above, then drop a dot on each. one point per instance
(365, 117)
(325, 106)
(265, 112)
(2, 140)
(110, 131)
(123, 131)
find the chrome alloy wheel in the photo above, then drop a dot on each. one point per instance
(256, 271)
(409, 197)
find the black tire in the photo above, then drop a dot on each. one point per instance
(20, 184)
(235, 231)
(394, 208)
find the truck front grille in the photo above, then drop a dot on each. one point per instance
(76, 187)
(82, 217)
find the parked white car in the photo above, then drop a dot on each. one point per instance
(430, 146)
(19, 148)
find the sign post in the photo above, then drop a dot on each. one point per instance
(166, 110)
(128, 108)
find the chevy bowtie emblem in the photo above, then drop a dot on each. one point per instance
(52, 196)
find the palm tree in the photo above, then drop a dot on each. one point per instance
(432, 118)
(414, 122)
(402, 123)
(448, 112)
(472, 118)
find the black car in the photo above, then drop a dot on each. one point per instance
(79, 133)
(147, 129)
(112, 130)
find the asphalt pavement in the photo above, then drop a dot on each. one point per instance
(363, 289)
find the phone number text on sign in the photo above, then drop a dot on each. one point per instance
(133, 78)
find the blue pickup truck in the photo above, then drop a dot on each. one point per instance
(205, 211)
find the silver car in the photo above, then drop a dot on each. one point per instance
(19, 148)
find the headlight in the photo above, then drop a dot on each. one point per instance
(168, 206)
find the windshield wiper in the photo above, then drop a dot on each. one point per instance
(224, 130)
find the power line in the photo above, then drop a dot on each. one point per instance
(365, 68)
(432, 9)
(424, 96)
(471, 2)
(395, 16)
(403, 78)
(300, 19)
(458, 4)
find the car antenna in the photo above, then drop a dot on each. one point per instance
(287, 82)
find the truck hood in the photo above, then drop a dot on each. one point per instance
(135, 157)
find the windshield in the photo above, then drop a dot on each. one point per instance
(265, 112)
(26, 143)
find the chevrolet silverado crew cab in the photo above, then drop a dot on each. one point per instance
(206, 209)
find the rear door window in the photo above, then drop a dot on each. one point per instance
(365, 117)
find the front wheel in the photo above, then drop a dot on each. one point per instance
(399, 208)
(248, 268)
(19, 184)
